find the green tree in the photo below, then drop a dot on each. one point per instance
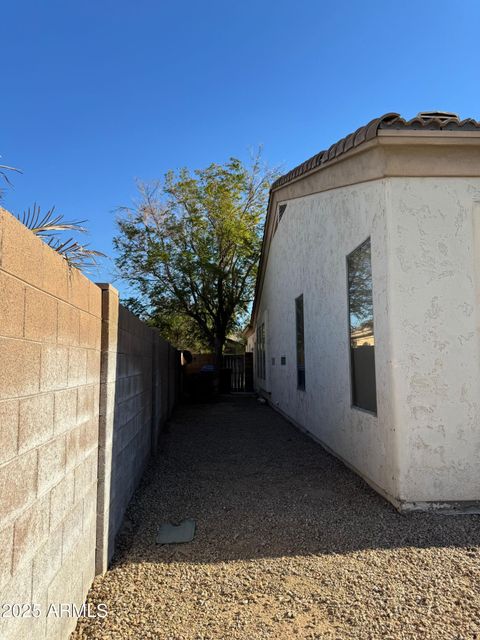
(180, 330)
(192, 242)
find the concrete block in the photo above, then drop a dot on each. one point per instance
(19, 589)
(20, 370)
(72, 530)
(85, 406)
(77, 366)
(6, 556)
(35, 421)
(68, 324)
(8, 430)
(65, 587)
(107, 398)
(30, 530)
(105, 455)
(104, 549)
(65, 414)
(12, 306)
(96, 399)
(88, 438)
(18, 485)
(85, 475)
(54, 368)
(90, 331)
(56, 274)
(73, 447)
(89, 569)
(103, 495)
(40, 316)
(61, 499)
(110, 314)
(51, 463)
(90, 514)
(17, 243)
(46, 563)
(109, 366)
(79, 287)
(94, 299)
(93, 366)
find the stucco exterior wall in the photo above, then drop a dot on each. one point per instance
(308, 256)
(423, 444)
(433, 239)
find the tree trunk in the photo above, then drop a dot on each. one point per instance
(219, 342)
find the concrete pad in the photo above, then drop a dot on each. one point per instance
(175, 534)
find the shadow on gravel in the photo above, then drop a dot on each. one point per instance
(259, 488)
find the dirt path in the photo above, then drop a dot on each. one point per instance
(289, 544)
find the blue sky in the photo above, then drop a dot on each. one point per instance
(100, 92)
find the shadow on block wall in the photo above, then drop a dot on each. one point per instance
(139, 388)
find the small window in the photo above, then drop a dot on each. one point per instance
(300, 343)
(280, 211)
(260, 351)
(362, 338)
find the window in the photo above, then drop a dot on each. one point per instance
(362, 340)
(280, 211)
(260, 351)
(300, 343)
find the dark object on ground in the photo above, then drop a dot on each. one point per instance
(176, 534)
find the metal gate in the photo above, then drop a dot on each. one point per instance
(236, 364)
(241, 367)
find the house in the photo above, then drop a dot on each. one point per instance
(365, 325)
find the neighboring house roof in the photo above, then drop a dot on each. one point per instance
(391, 125)
(427, 120)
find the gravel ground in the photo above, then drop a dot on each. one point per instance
(289, 544)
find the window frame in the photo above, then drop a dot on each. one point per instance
(301, 386)
(351, 369)
(279, 213)
(260, 352)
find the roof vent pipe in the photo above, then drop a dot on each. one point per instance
(443, 116)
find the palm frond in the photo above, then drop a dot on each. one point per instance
(3, 172)
(76, 254)
(50, 223)
(4, 176)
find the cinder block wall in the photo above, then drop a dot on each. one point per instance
(84, 388)
(50, 329)
(134, 408)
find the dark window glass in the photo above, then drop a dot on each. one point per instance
(280, 211)
(260, 351)
(362, 340)
(300, 343)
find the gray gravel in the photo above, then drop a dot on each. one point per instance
(289, 544)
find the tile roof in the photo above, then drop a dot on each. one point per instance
(427, 120)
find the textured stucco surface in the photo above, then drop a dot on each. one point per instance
(433, 233)
(422, 445)
(308, 256)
